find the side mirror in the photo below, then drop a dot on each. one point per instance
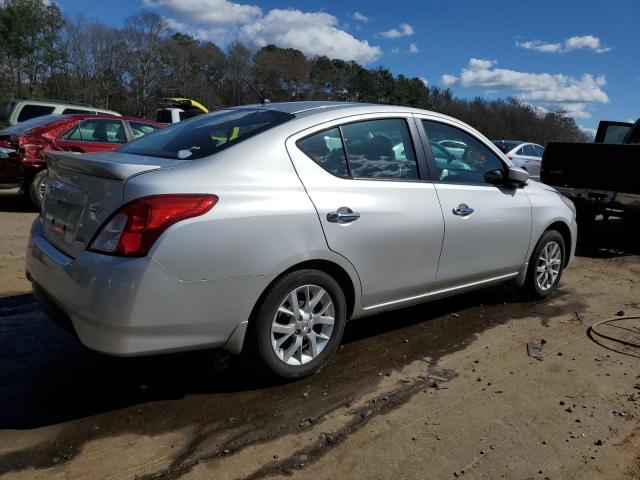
(495, 177)
(516, 177)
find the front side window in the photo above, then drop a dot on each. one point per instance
(97, 130)
(468, 162)
(32, 111)
(380, 149)
(206, 134)
(539, 150)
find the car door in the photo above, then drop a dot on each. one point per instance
(487, 227)
(377, 209)
(93, 135)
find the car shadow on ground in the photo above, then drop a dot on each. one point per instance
(608, 238)
(47, 376)
(14, 201)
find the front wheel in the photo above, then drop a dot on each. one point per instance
(299, 324)
(546, 265)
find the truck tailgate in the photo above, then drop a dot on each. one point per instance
(598, 166)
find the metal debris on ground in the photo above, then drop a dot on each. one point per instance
(535, 349)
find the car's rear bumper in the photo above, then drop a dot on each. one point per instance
(133, 306)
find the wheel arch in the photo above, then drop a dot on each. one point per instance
(563, 229)
(336, 271)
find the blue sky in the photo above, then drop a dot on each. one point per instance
(581, 56)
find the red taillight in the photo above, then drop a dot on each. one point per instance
(133, 229)
(509, 157)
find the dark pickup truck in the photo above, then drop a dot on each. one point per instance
(601, 177)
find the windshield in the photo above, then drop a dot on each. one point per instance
(206, 134)
(22, 127)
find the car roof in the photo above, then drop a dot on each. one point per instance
(309, 109)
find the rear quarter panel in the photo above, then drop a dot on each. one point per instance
(263, 223)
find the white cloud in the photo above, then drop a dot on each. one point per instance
(403, 30)
(588, 42)
(572, 94)
(313, 33)
(425, 81)
(215, 12)
(448, 80)
(223, 21)
(590, 132)
(413, 48)
(360, 17)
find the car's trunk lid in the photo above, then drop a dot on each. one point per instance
(82, 191)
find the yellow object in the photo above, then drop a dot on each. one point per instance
(185, 102)
(234, 134)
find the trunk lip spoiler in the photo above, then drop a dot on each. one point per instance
(92, 165)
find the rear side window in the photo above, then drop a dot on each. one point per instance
(72, 111)
(529, 150)
(207, 134)
(32, 111)
(141, 129)
(96, 130)
(374, 149)
(325, 148)
(616, 133)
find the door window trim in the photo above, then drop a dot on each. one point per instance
(433, 169)
(420, 158)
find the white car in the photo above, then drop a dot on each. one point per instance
(527, 156)
(262, 229)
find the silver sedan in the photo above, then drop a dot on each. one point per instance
(263, 229)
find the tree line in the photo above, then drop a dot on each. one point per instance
(130, 69)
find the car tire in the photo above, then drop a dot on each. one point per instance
(546, 265)
(283, 344)
(36, 188)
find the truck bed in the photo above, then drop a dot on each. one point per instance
(598, 166)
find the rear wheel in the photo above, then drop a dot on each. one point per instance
(36, 188)
(299, 324)
(546, 265)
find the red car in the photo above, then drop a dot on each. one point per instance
(21, 162)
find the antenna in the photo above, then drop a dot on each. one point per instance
(263, 100)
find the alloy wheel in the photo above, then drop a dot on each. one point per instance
(548, 265)
(302, 325)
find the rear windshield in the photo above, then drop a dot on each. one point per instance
(32, 111)
(22, 127)
(206, 134)
(506, 146)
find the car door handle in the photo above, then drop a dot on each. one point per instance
(343, 215)
(463, 210)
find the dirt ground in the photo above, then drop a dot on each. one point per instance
(441, 390)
